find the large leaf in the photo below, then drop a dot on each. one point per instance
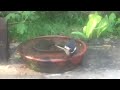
(112, 21)
(94, 19)
(102, 26)
(112, 17)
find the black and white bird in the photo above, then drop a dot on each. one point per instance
(69, 48)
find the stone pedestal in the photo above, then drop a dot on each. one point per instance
(4, 52)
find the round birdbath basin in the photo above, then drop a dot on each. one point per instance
(41, 54)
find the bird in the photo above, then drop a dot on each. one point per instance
(70, 47)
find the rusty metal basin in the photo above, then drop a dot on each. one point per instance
(50, 61)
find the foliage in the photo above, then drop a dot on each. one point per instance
(25, 25)
(21, 20)
(98, 25)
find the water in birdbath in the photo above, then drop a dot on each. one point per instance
(47, 46)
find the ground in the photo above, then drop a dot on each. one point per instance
(102, 61)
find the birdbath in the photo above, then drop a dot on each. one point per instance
(40, 54)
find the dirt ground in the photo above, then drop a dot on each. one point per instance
(102, 61)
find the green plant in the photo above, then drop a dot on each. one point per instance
(21, 24)
(21, 19)
(97, 25)
(24, 25)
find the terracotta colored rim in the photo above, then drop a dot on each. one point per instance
(54, 60)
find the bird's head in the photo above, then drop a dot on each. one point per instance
(70, 47)
(67, 50)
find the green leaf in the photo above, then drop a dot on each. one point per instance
(21, 28)
(118, 21)
(102, 26)
(94, 19)
(112, 17)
